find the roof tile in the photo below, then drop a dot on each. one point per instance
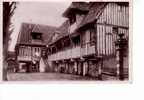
(26, 28)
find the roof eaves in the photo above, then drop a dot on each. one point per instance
(82, 6)
(87, 20)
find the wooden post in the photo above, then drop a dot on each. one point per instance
(86, 68)
(100, 65)
(81, 64)
(66, 66)
(75, 66)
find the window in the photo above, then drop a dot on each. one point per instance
(29, 51)
(54, 36)
(72, 19)
(53, 50)
(44, 53)
(36, 36)
(76, 40)
(59, 45)
(67, 43)
(115, 30)
(49, 50)
(92, 36)
(83, 40)
(35, 49)
(22, 51)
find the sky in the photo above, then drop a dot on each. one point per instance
(46, 13)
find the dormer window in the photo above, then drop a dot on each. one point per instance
(54, 37)
(36, 36)
(76, 40)
(72, 19)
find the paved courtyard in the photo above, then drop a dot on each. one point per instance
(51, 77)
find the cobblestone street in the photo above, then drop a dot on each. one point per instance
(44, 77)
(52, 77)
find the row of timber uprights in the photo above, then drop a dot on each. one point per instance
(79, 66)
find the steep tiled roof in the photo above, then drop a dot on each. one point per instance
(26, 29)
(62, 31)
(95, 9)
(64, 27)
(81, 6)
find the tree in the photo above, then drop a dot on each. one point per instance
(8, 11)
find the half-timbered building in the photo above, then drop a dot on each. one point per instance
(88, 47)
(31, 45)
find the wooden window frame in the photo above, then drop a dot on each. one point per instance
(92, 39)
(35, 35)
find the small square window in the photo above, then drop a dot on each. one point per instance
(36, 36)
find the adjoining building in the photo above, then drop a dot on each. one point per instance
(88, 46)
(31, 47)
